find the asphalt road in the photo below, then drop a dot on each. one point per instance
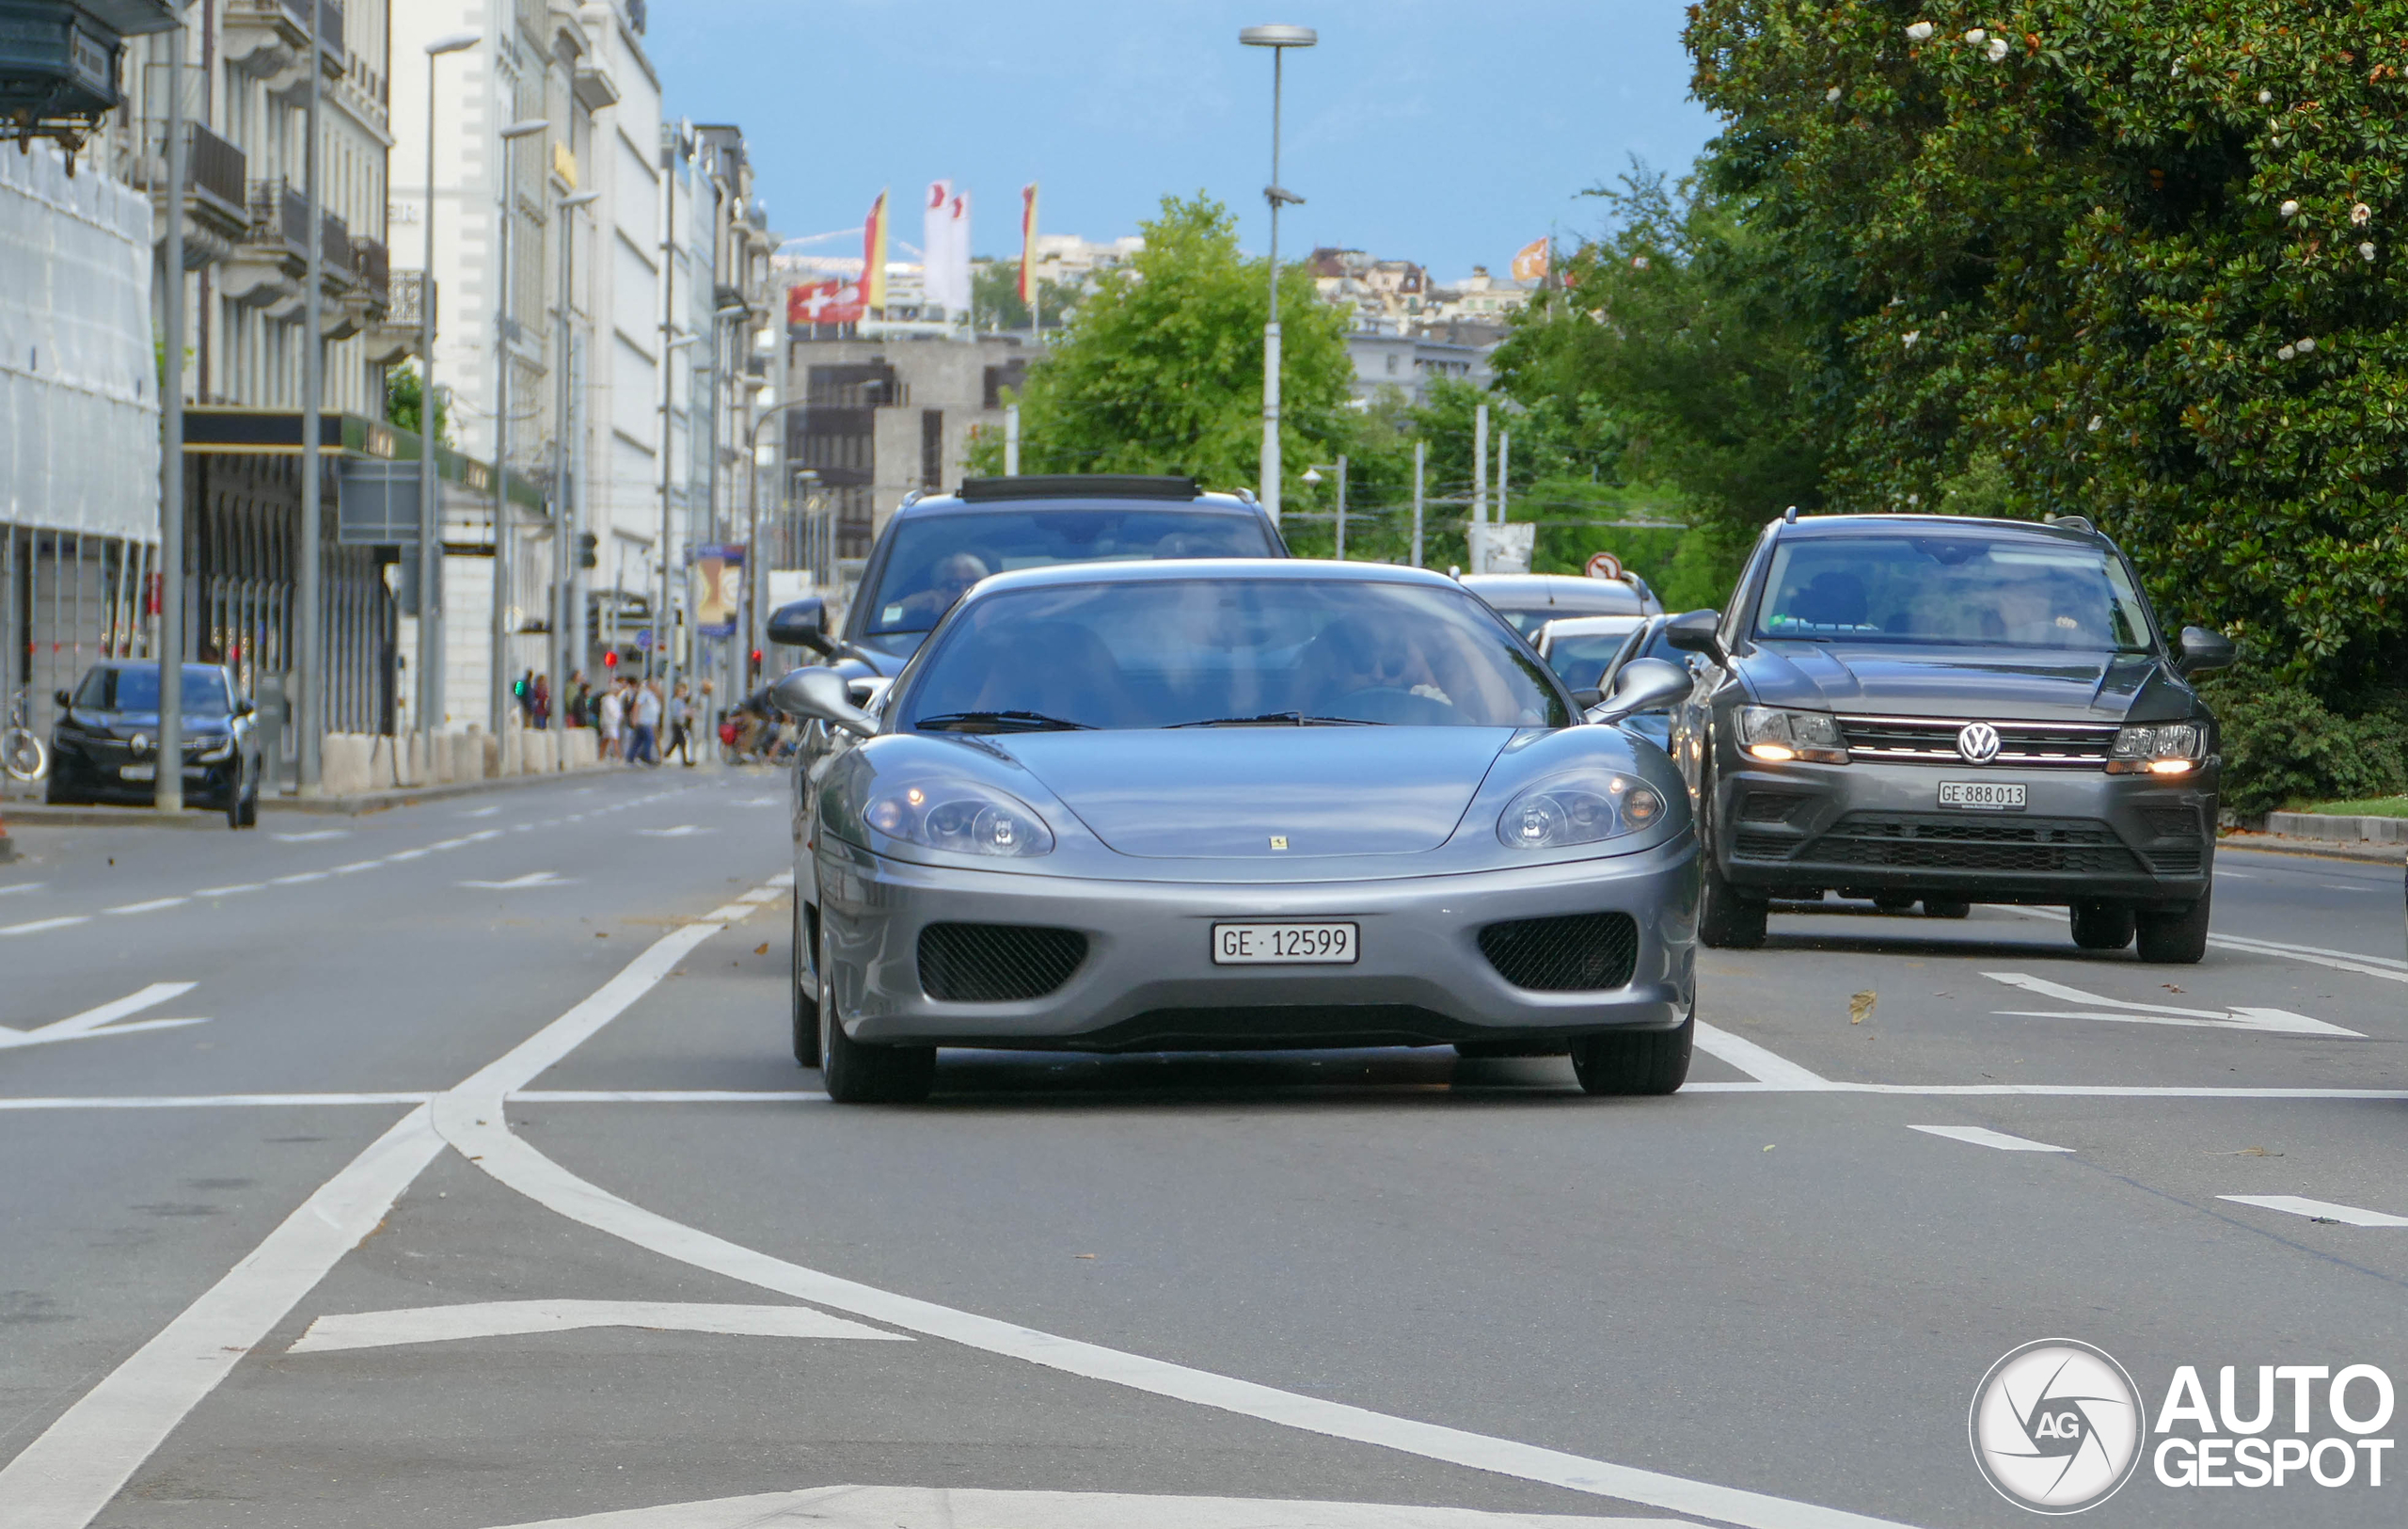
(449, 1168)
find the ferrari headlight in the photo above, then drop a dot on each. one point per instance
(2165, 749)
(1778, 734)
(959, 816)
(1578, 809)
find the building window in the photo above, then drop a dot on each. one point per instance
(932, 448)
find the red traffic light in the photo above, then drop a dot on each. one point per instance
(610, 660)
(756, 658)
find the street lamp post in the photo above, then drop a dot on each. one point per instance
(1278, 40)
(430, 616)
(568, 515)
(308, 656)
(1312, 475)
(498, 696)
(168, 778)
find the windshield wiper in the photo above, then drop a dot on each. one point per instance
(1280, 719)
(999, 721)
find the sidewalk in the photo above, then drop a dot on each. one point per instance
(32, 813)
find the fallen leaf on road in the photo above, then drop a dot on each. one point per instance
(2169, 987)
(1768, 1146)
(761, 949)
(601, 934)
(1083, 1255)
(1860, 1006)
(2246, 1152)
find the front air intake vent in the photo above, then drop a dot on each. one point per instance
(1588, 952)
(996, 963)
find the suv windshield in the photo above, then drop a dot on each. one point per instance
(138, 690)
(1986, 590)
(936, 558)
(1195, 652)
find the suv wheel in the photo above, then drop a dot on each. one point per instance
(2103, 926)
(1726, 920)
(1634, 1061)
(805, 996)
(858, 1073)
(2174, 939)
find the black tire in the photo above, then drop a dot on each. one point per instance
(247, 812)
(1726, 920)
(1893, 903)
(805, 999)
(2174, 939)
(1634, 1061)
(857, 1073)
(2102, 926)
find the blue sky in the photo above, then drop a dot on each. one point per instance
(1451, 134)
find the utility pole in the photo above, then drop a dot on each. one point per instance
(1421, 454)
(1504, 460)
(669, 343)
(1341, 506)
(430, 541)
(1278, 40)
(310, 714)
(1479, 548)
(1011, 440)
(568, 513)
(167, 784)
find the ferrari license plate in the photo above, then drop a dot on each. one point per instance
(1984, 795)
(142, 771)
(1277, 945)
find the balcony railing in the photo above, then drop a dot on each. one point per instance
(409, 289)
(216, 168)
(279, 215)
(374, 267)
(334, 244)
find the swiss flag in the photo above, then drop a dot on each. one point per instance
(832, 301)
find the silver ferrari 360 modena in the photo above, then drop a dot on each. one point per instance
(1179, 805)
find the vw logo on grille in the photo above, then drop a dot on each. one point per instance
(1977, 742)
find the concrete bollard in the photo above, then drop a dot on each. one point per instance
(489, 758)
(382, 774)
(584, 748)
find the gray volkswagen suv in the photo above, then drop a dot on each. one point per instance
(1945, 711)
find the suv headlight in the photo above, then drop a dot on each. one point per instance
(1778, 734)
(2165, 749)
(959, 816)
(1578, 809)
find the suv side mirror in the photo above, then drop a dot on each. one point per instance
(1692, 631)
(821, 694)
(2201, 650)
(64, 700)
(243, 707)
(1644, 685)
(802, 624)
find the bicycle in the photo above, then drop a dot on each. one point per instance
(22, 753)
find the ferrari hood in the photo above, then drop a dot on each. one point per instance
(1271, 793)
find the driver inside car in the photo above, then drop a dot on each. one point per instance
(949, 578)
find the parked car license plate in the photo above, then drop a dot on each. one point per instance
(1273, 945)
(138, 771)
(1987, 795)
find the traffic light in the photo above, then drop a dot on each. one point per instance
(756, 658)
(588, 549)
(610, 660)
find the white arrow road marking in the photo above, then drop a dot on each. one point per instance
(508, 1318)
(2275, 1021)
(83, 1027)
(681, 831)
(1983, 1137)
(964, 1507)
(313, 836)
(2319, 1209)
(533, 878)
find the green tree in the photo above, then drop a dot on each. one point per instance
(1160, 368)
(404, 398)
(994, 295)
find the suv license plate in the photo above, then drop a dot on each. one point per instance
(1983, 795)
(141, 772)
(1284, 945)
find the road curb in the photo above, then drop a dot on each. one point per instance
(2319, 848)
(2349, 830)
(358, 805)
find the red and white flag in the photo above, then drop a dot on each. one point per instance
(1028, 242)
(832, 301)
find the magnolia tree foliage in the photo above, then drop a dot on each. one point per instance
(1158, 369)
(2138, 262)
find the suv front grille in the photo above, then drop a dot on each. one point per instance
(996, 963)
(2058, 745)
(1918, 842)
(1587, 952)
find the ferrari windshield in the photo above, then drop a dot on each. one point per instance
(937, 557)
(1231, 652)
(1987, 590)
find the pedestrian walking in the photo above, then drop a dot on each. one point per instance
(573, 712)
(613, 714)
(644, 714)
(525, 694)
(681, 728)
(543, 708)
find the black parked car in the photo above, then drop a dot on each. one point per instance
(1950, 711)
(105, 747)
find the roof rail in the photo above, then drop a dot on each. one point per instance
(1080, 486)
(2074, 523)
(911, 496)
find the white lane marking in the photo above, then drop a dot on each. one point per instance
(758, 802)
(2240, 875)
(966, 1508)
(63, 1479)
(446, 844)
(210, 1101)
(151, 906)
(1754, 1060)
(355, 867)
(510, 1318)
(732, 912)
(2275, 1021)
(21, 886)
(760, 894)
(783, 878)
(482, 835)
(298, 878)
(480, 812)
(2345, 960)
(1983, 1137)
(533, 878)
(410, 854)
(663, 1096)
(88, 1024)
(313, 836)
(2319, 1209)
(229, 891)
(472, 1118)
(681, 831)
(39, 925)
